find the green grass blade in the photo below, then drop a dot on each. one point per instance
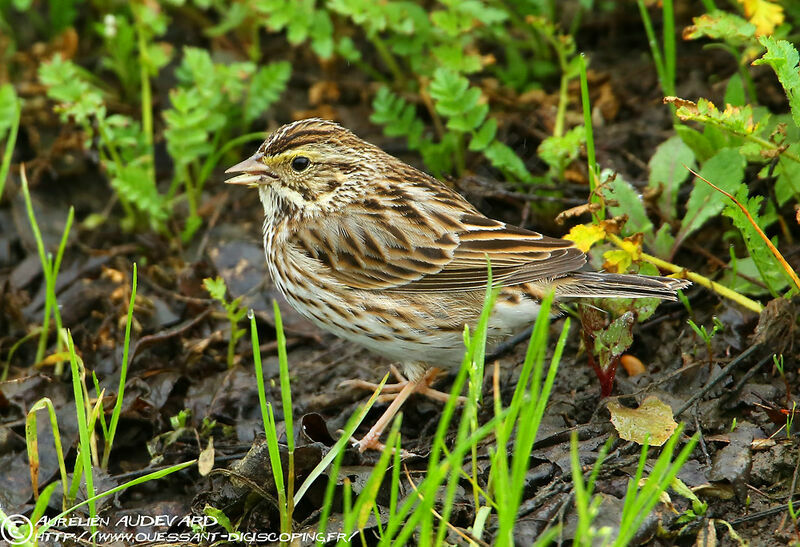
(33, 445)
(139, 480)
(112, 427)
(9, 150)
(338, 448)
(83, 429)
(286, 401)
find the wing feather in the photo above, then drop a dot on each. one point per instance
(423, 252)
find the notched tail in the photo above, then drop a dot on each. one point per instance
(608, 285)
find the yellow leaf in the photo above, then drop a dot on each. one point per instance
(586, 235)
(653, 419)
(763, 14)
(618, 260)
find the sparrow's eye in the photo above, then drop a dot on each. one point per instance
(300, 163)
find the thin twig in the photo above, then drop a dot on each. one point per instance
(464, 534)
(718, 378)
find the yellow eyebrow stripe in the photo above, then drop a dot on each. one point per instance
(285, 157)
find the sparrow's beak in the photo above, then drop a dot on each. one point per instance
(254, 172)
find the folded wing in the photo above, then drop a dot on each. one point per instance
(431, 248)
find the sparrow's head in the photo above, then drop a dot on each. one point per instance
(310, 166)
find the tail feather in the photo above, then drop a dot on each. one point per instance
(608, 285)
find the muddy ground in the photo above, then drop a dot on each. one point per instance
(180, 335)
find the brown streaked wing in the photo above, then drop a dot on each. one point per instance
(395, 253)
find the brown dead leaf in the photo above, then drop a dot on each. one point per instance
(488, 60)
(707, 536)
(718, 490)
(575, 175)
(606, 101)
(205, 461)
(762, 444)
(66, 43)
(326, 91)
(653, 419)
(324, 111)
(536, 96)
(678, 102)
(577, 211)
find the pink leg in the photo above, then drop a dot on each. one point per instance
(391, 391)
(370, 440)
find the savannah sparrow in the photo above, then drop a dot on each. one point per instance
(382, 254)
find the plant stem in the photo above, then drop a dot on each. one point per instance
(775, 252)
(653, 43)
(388, 59)
(438, 126)
(668, 32)
(46, 266)
(55, 267)
(589, 135)
(459, 154)
(762, 142)
(722, 290)
(147, 97)
(191, 191)
(214, 158)
(563, 96)
(9, 151)
(113, 153)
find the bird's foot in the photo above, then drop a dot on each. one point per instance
(400, 392)
(390, 392)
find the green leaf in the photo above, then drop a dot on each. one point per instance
(398, 117)
(469, 120)
(188, 125)
(347, 49)
(373, 17)
(747, 267)
(770, 270)
(8, 108)
(783, 58)
(614, 339)
(725, 170)
(668, 171)
(735, 119)
(787, 185)
(134, 183)
(119, 37)
(734, 91)
(629, 203)
(322, 34)
(265, 88)
(456, 58)
(216, 288)
(504, 158)
(700, 145)
(78, 99)
(483, 136)
(721, 25)
(516, 72)
(232, 17)
(663, 242)
(451, 93)
(558, 152)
